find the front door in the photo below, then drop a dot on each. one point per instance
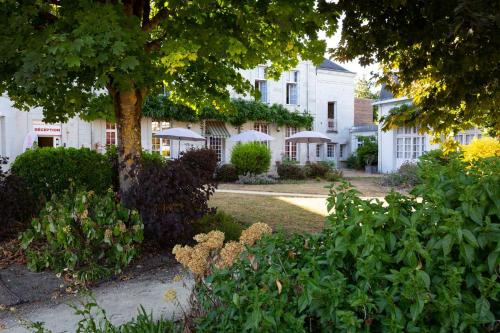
(45, 141)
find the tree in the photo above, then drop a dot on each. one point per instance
(444, 54)
(57, 54)
(364, 88)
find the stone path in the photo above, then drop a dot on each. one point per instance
(120, 299)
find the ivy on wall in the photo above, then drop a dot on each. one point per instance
(160, 107)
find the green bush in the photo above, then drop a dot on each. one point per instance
(226, 173)
(219, 221)
(406, 176)
(80, 232)
(334, 175)
(318, 169)
(252, 157)
(408, 265)
(291, 170)
(366, 154)
(49, 171)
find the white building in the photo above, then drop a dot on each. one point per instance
(326, 92)
(405, 144)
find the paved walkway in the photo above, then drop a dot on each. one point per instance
(121, 301)
(274, 194)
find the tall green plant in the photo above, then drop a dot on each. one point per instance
(251, 157)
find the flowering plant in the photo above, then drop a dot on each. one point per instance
(481, 148)
(80, 232)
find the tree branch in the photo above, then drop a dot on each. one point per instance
(155, 21)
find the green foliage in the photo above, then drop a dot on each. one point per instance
(450, 65)
(318, 169)
(291, 170)
(251, 157)
(238, 112)
(56, 55)
(364, 89)
(334, 175)
(95, 320)
(49, 171)
(226, 173)
(422, 263)
(406, 176)
(366, 154)
(83, 233)
(219, 221)
(251, 179)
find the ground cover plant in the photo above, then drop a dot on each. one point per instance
(85, 234)
(405, 176)
(261, 179)
(411, 265)
(170, 196)
(50, 171)
(252, 157)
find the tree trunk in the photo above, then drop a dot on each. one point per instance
(127, 105)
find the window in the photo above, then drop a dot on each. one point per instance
(409, 144)
(332, 123)
(342, 151)
(292, 88)
(159, 145)
(318, 151)
(291, 147)
(217, 145)
(261, 86)
(330, 150)
(111, 135)
(264, 128)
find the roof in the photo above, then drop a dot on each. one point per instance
(385, 93)
(331, 66)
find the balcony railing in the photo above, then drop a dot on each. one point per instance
(332, 125)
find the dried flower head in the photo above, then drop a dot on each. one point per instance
(108, 233)
(229, 254)
(213, 240)
(254, 233)
(123, 227)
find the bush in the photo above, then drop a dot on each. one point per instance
(334, 175)
(171, 196)
(290, 170)
(318, 169)
(352, 162)
(250, 179)
(219, 221)
(17, 204)
(481, 148)
(226, 173)
(406, 176)
(413, 265)
(50, 171)
(252, 157)
(80, 232)
(366, 154)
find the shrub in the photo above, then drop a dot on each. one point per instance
(406, 265)
(250, 179)
(171, 196)
(226, 173)
(406, 176)
(352, 162)
(481, 148)
(49, 171)
(318, 169)
(366, 154)
(219, 221)
(80, 232)
(289, 170)
(17, 204)
(251, 157)
(334, 175)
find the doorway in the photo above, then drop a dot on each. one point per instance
(45, 141)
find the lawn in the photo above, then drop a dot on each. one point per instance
(292, 214)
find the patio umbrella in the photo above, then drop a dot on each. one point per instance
(308, 137)
(180, 134)
(250, 136)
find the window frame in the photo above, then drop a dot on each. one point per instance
(291, 148)
(111, 135)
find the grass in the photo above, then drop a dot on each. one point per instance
(274, 211)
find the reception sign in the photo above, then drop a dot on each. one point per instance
(41, 128)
